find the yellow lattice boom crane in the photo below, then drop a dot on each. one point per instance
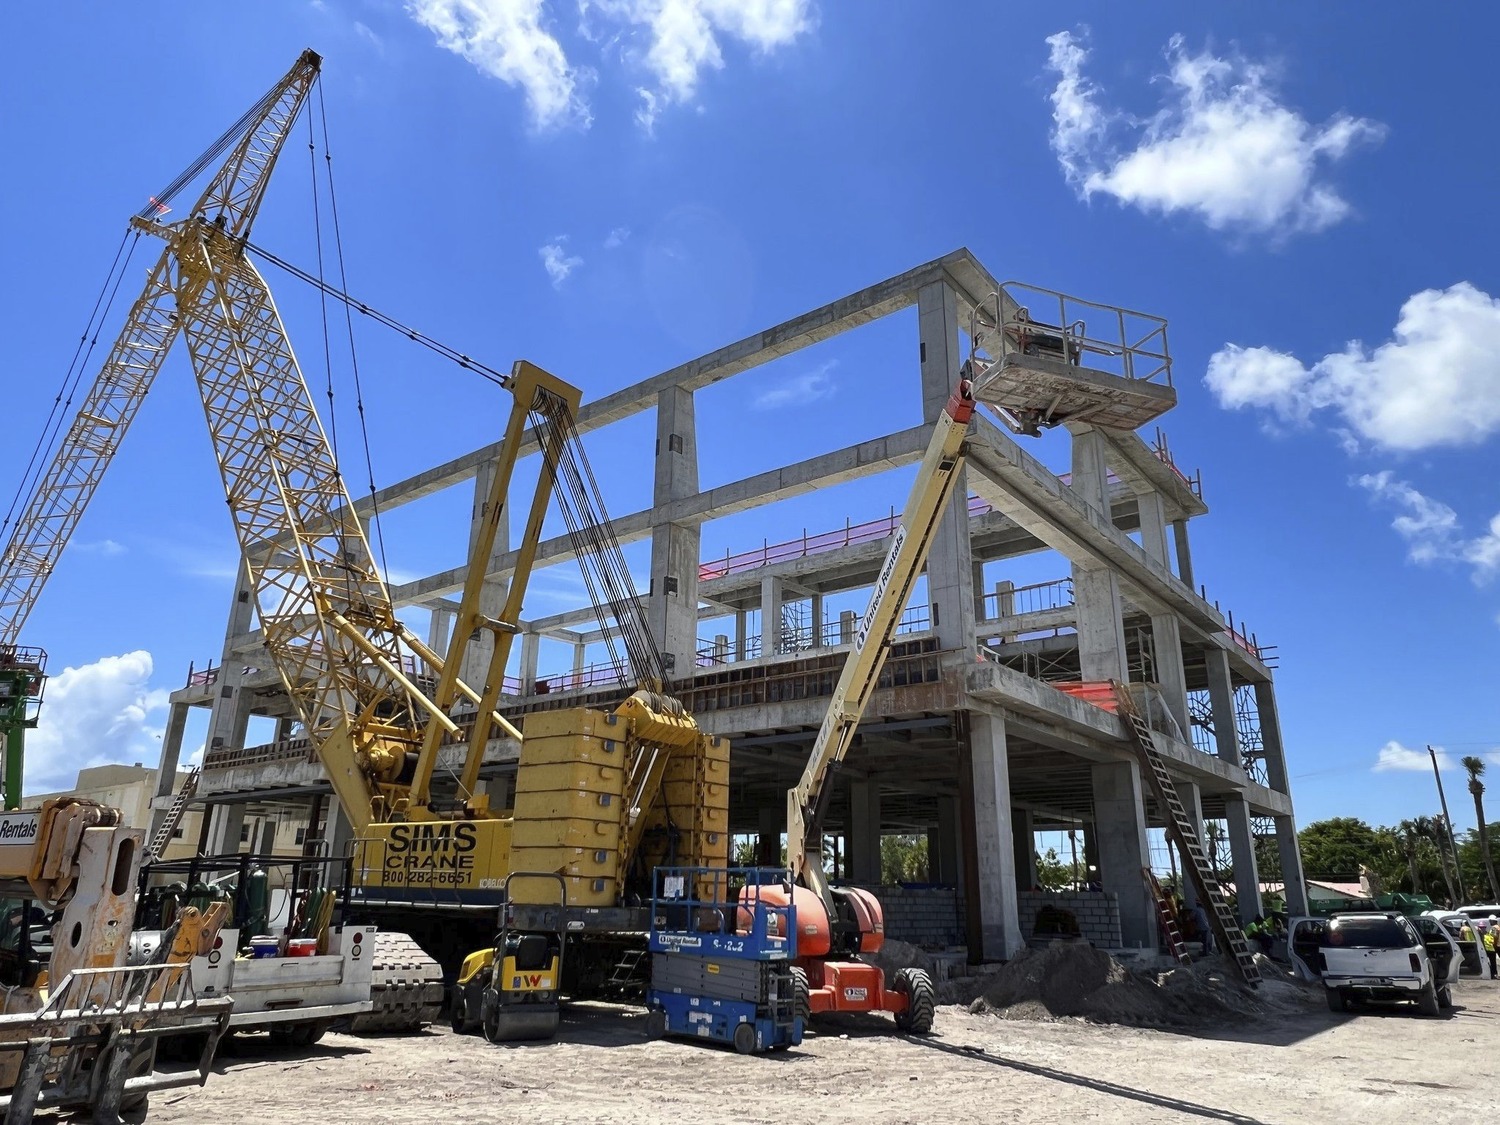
(600, 796)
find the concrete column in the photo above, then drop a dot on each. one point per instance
(772, 824)
(847, 627)
(230, 713)
(166, 768)
(1221, 696)
(994, 842)
(1242, 856)
(440, 631)
(224, 835)
(531, 644)
(267, 842)
(864, 832)
(1096, 589)
(474, 664)
(950, 566)
(1090, 852)
(1023, 833)
(944, 864)
(977, 581)
(1270, 737)
(1184, 552)
(1123, 852)
(770, 615)
(1166, 629)
(284, 727)
(1295, 889)
(739, 634)
(817, 620)
(1166, 638)
(580, 654)
(1192, 800)
(672, 607)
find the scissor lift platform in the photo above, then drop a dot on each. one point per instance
(721, 959)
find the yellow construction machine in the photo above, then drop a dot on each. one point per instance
(600, 797)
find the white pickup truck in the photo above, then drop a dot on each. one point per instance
(294, 998)
(1377, 956)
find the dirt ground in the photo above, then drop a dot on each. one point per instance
(1374, 1066)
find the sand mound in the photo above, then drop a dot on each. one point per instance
(1073, 979)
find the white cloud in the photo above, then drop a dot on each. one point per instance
(364, 32)
(1394, 756)
(1431, 528)
(798, 390)
(557, 262)
(685, 39)
(1222, 147)
(106, 547)
(93, 715)
(507, 40)
(1436, 382)
(617, 238)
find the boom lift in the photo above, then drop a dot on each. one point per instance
(838, 924)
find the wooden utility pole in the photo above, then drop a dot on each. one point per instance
(1448, 822)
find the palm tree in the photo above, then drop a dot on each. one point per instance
(1408, 836)
(1475, 767)
(1435, 829)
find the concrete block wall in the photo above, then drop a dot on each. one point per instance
(922, 915)
(1098, 913)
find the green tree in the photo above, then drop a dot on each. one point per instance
(1474, 767)
(1409, 836)
(1335, 849)
(903, 859)
(1053, 873)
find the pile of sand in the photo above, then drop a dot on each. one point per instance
(1072, 979)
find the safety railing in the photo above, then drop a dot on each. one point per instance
(851, 534)
(714, 652)
(1035, 598)
(1031, 320)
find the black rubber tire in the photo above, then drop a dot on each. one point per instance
(656, 1024)
(306, 1034)
(1427, 1000)
(744, 1039)
(801, 996)
(459, 1017)
(1445, 997)
(1335, 1000)
(921, 1001)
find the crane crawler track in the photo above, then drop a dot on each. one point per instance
(407, 988)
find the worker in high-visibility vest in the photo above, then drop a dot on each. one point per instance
(1491, 935)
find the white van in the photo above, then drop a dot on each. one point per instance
(1379, 956)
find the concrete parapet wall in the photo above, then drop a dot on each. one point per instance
(1098, 913)
(931, 916)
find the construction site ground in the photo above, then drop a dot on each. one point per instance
(1301, 1065)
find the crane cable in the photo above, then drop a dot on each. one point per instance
(46, 443)
(359, 394)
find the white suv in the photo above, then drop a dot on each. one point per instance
(1378, 956)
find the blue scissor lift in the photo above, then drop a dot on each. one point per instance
(721, 958)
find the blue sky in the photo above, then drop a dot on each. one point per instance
(612, 187)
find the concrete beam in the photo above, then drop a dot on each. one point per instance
(827, 469)
(1020, 486)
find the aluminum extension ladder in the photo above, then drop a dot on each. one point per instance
(179, 805)
(1167, 918)
(1181, 832)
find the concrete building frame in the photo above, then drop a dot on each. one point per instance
(967, 742)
